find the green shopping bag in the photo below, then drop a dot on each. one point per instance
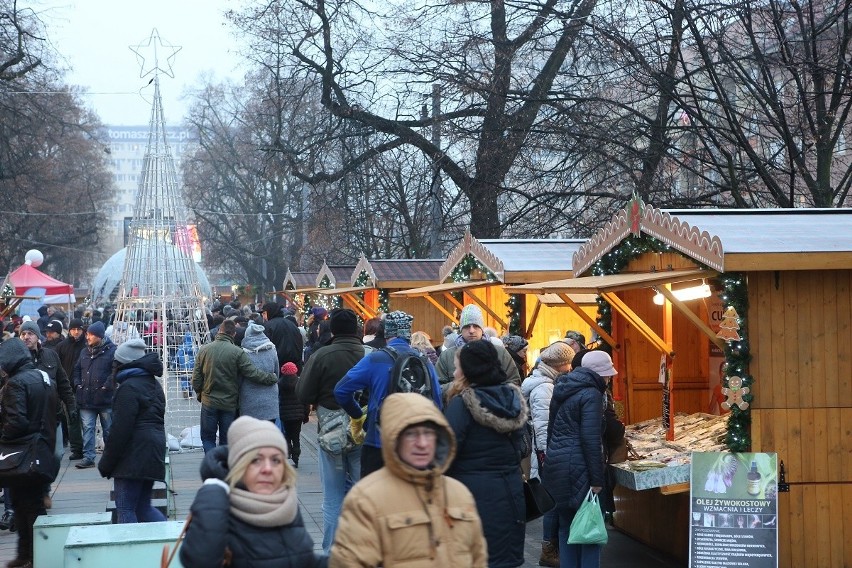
(588, 525)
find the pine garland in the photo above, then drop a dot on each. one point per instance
(738, 357)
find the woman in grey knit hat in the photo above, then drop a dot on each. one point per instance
(256, 400)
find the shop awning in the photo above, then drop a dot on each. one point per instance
(610, 283)
(607, 286)
(445, 289)
(441, 288)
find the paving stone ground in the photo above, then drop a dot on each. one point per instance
(84, 491)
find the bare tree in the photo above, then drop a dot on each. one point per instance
(495, 61)
(54, 186)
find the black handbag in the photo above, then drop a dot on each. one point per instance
(27, 460)
(538, 499)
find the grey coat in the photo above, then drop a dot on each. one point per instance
(256, 400)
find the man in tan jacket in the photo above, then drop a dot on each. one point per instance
(408, 513)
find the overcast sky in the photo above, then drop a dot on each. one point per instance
(94, 35)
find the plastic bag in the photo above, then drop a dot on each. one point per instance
(588, 525)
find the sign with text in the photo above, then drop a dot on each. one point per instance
(734, 510)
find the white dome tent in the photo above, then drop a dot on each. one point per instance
(105, 284)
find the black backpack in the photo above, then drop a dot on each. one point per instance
(409, 373)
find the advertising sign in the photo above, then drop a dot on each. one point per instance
(734, 512)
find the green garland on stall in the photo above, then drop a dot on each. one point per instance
(738, 357)
(384, 301)
(384, 298)
(8, 291)
(462, 271)
(514, 314)
(617, 260)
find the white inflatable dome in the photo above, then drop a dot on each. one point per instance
(105, 285)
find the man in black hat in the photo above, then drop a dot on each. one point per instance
(69, 350)
(284, 334)
(53, 334)
(47, 360)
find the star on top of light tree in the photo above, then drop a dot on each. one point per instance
(150, 53)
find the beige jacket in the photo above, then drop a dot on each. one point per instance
(403, 516)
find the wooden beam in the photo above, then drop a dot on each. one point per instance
(691, 316)
(589, 320)
(488, 309)
(622, 308)
(453, 300)
(441, 308)
(354, 305)
(363, 306)
(531, 325)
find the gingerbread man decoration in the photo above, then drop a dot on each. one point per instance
(735, 393)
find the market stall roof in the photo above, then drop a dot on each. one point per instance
(299, 280)
(733, 239)
(336, 274)
(515, 261)
(398, 273)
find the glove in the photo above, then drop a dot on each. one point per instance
(356, 428)
(215, 464)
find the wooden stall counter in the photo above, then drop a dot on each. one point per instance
(652, 492)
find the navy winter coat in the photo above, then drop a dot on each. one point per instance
(488, 422)
(137, 439)
(575, 459)
(93, 380)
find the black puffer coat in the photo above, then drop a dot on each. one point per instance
(213, 528)
(289, 407)
(136, 446)
(488, 422)
(575, 459)
(28, 398)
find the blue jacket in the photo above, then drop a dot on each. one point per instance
(93, 376)
(575, 459)
(372, 374)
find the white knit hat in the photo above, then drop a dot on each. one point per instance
(247, 434)
(471, 315)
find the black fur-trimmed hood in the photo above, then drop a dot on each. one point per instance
(499, 407)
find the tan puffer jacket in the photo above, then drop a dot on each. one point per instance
(403, 516)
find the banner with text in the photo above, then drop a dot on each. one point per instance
(734, 513)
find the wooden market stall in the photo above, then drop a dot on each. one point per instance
(787, 276)
(475, 271)
(374, 280)
(295, 284)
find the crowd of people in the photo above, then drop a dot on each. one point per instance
(423, 445)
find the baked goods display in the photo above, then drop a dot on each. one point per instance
(699, 432)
